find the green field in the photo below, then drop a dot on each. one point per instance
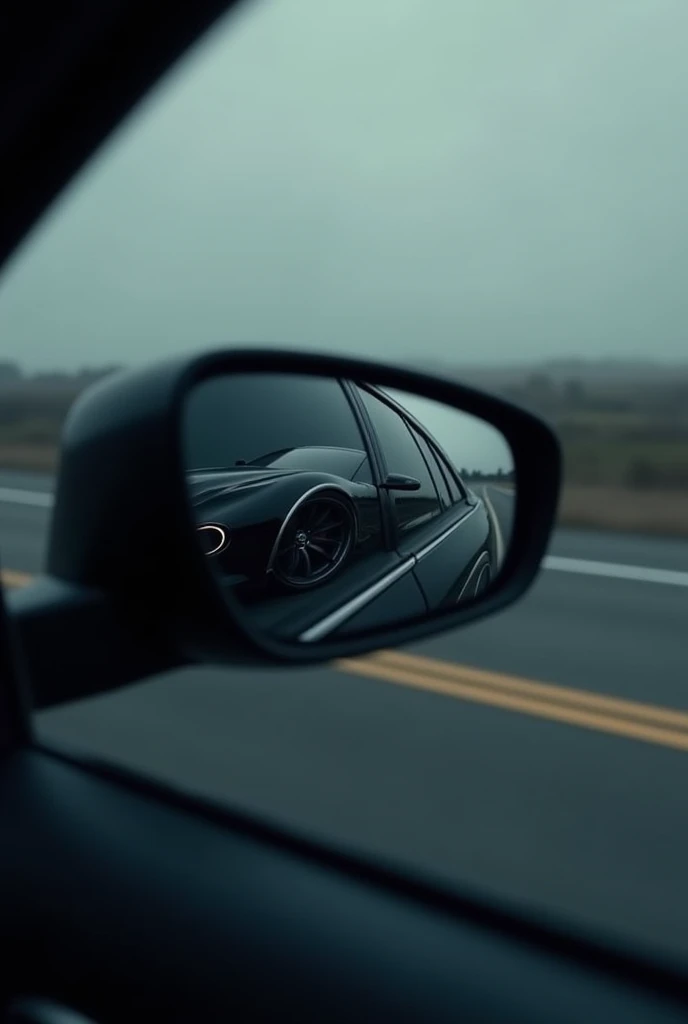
(660, 513)
(609, 461)
(31, 418)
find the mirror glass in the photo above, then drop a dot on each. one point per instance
(330, 507)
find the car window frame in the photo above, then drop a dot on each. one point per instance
(449, 471)
(409, 424)
(435, 467)
(451, 474)
(303, 387)
(389, 535)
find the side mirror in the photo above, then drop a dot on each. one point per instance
(277, 507)
(399, 482)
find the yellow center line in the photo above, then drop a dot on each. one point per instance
(595, 702)
(630, 719)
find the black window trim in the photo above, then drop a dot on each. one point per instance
(364, 430)
(435, 468)
(445, 462)
(375, 458)
(443, 458)
(448, 468)
(431, 470)
(422, 430)
(411, 424)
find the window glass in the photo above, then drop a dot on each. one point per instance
(246, 417)
(455, 490)
(450, 475)
(402, 455)
(435, 468)
(364, 474)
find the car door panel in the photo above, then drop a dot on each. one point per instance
(178, 911)
(404, 599)
(446, 553)
(379, 589)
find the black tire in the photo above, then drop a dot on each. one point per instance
(316, 542)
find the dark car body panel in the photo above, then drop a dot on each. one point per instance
(294, 615)
(254, 504)
(446, 550)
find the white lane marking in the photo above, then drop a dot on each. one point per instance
(499, 539)
(16, 496)
(612, 570)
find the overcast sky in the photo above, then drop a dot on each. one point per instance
(474, 180)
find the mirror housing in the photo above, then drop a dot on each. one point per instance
(123, 536)
(399, 482)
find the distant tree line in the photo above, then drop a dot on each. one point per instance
(542, 393)
(499, 476)
(12, 375)
(33, 406)
(617, 429)
(628, 432)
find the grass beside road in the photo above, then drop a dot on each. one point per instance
(40, 458)
(662, 513)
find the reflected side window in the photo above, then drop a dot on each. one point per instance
(449, 474)
(403, 456)
(245, 418)
(456, 487)
(435, 469)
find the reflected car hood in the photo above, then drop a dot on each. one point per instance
(206, 484)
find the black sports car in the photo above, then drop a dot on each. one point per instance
(367, 521)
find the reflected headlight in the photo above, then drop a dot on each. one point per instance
(214, 538)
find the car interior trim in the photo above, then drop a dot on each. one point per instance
(340, 616)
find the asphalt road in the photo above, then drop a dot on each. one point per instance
(509, 756)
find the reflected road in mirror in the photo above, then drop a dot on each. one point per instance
(326, 507)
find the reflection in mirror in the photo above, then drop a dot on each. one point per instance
(328, 507)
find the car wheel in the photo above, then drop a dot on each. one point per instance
(316, 542)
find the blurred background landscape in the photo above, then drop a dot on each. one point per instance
(490, 190)
(623, 425)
